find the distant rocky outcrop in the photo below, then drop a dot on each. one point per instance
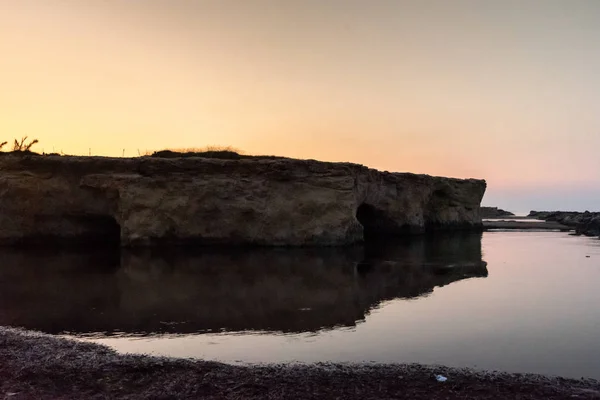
(585, 223)
(495, 212)
(261, 201)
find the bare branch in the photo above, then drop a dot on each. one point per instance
(22, 146)
(28, 147)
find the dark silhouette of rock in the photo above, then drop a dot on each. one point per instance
(495, 212)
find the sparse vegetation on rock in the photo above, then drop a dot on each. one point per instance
(21, 145)
(217, 152)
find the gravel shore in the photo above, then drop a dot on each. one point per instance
(39, 366)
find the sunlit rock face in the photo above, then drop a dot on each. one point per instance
(260, 201)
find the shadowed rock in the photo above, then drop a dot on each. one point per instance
(288, 290)
(494, 212)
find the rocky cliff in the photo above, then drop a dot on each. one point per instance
(145, 201)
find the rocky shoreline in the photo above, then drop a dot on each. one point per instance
(39, 366)
(585, 223)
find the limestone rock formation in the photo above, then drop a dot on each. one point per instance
(146, 201)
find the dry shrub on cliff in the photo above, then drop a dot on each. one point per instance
(207, 149)
(22, 146)
(221, 152)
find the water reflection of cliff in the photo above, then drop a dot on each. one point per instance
(286, 290)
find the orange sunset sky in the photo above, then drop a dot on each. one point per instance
(503, 90)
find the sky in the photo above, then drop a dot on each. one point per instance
(506, 90)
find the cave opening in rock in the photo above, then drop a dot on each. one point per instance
(96, 229)
(374, 221)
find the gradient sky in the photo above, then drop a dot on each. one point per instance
(503, 90)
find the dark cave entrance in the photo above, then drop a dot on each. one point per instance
(374, 221)
(74, 230)
(96, 229)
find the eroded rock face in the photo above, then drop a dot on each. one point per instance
(145, 201)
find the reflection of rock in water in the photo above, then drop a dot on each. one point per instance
(289, 290)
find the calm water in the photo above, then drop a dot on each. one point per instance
(534, 308)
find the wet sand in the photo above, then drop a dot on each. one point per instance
(38, 366)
